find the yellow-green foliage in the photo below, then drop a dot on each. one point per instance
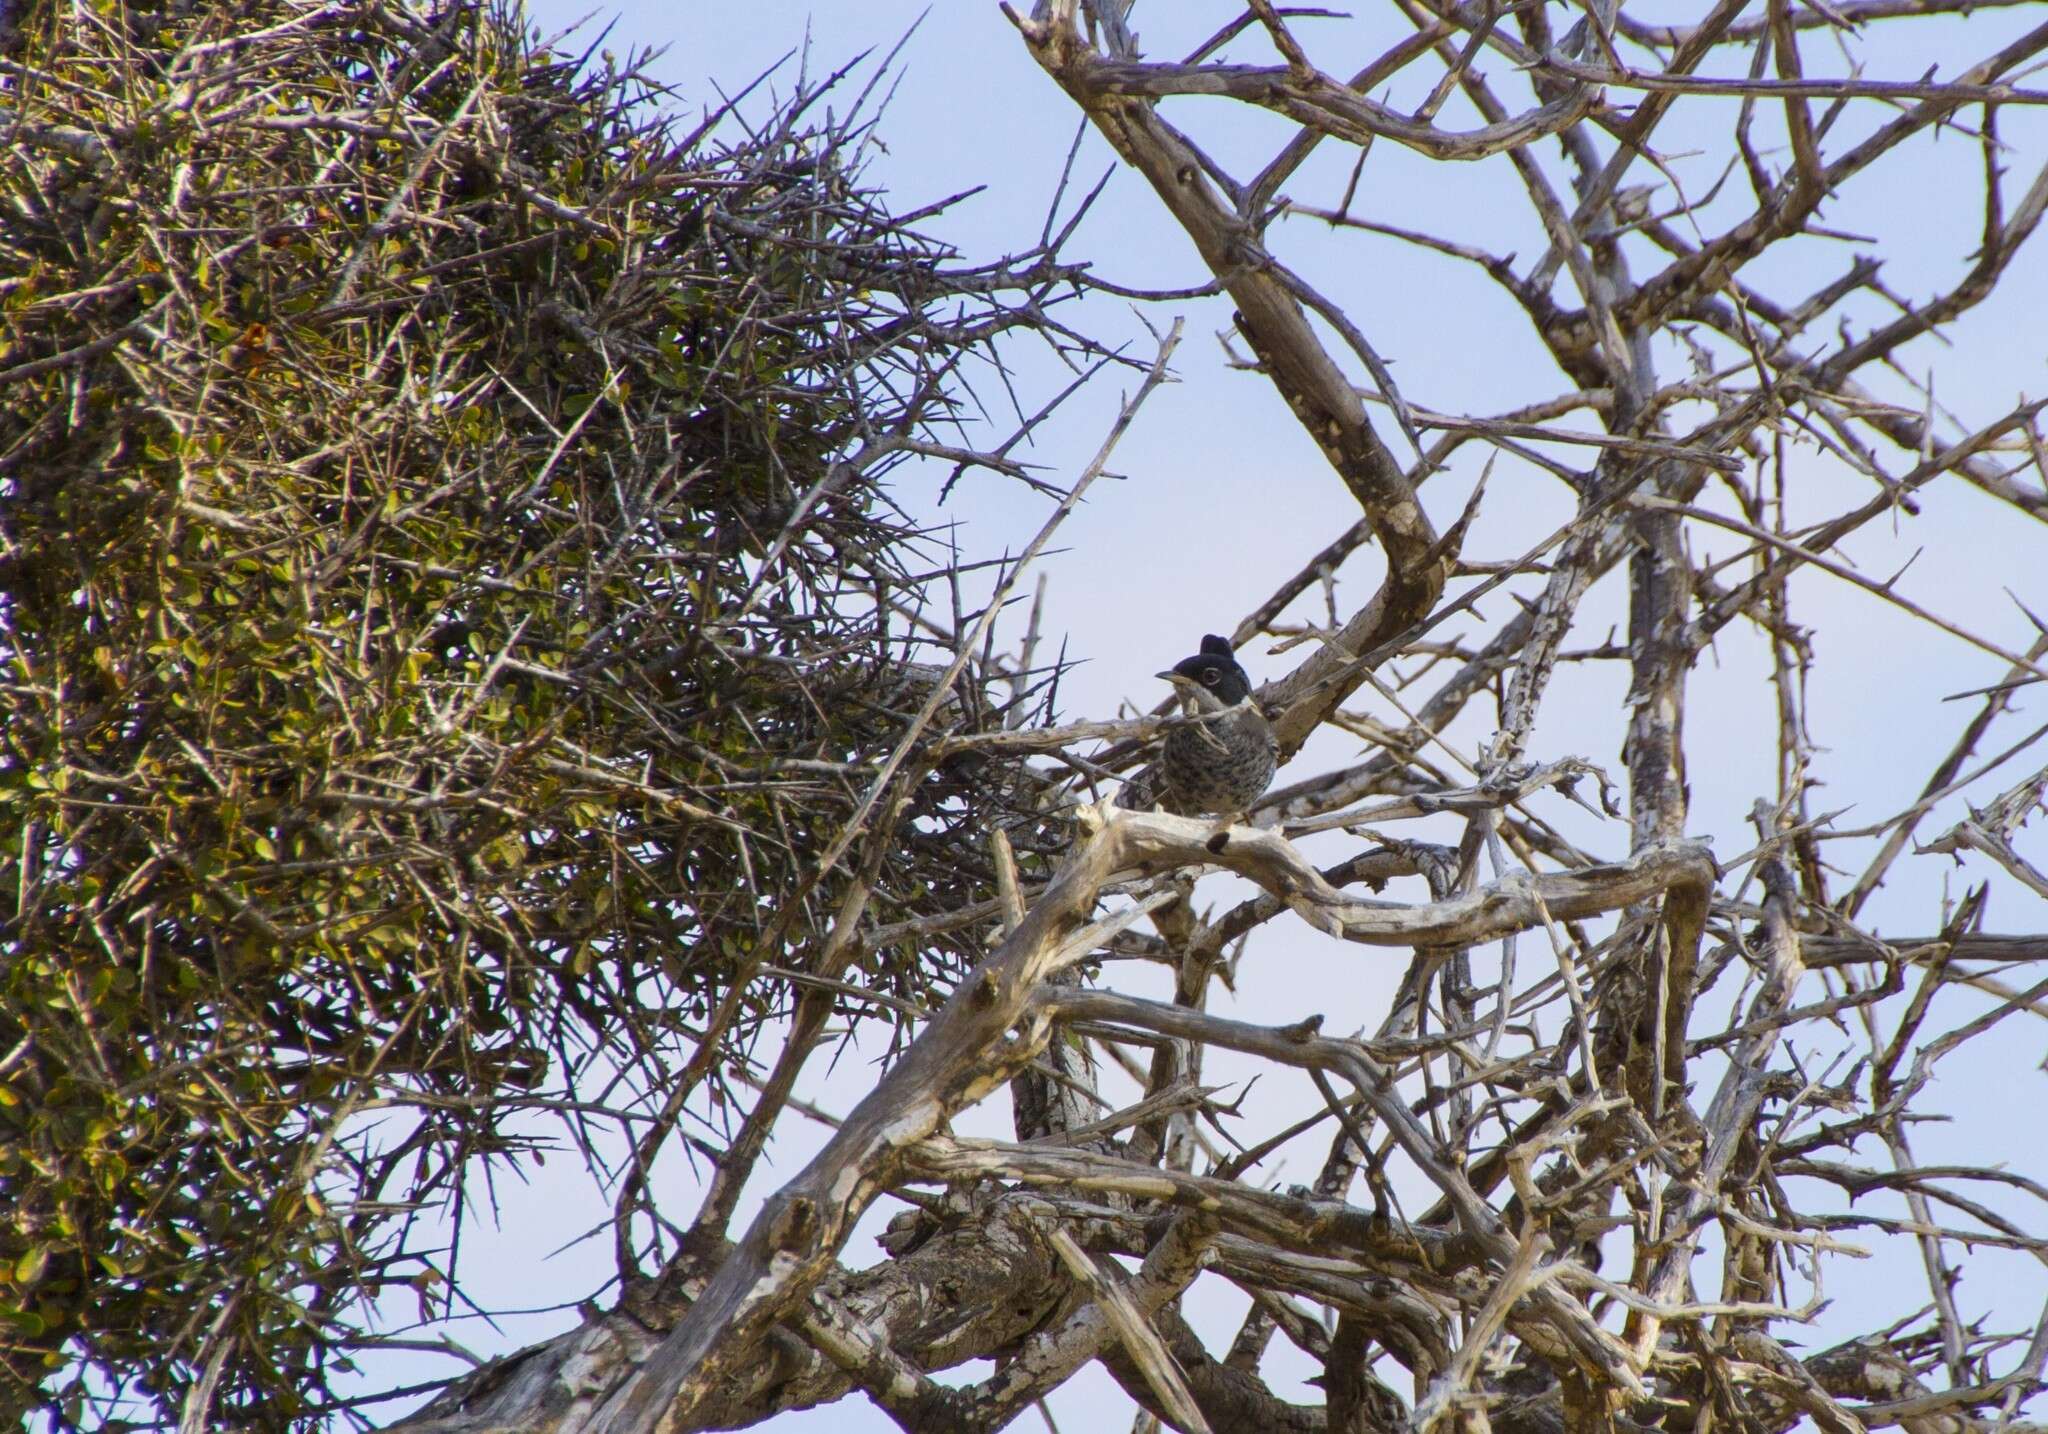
(395, 427)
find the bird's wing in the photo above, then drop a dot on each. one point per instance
(1141, 792)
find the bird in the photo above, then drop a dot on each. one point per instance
(1220, 763)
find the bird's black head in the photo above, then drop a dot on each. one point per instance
(1214, 671)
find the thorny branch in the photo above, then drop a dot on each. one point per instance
(1597, 1176)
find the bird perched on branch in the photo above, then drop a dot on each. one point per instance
(1220, 763)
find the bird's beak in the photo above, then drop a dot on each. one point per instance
(1170, 676)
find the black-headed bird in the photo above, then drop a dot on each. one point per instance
(1220, 762)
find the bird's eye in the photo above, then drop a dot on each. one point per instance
(1209, 677)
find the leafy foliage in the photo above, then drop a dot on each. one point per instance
(447, 592)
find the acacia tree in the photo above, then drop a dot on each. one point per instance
(1616, 1150)
(459, 636)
